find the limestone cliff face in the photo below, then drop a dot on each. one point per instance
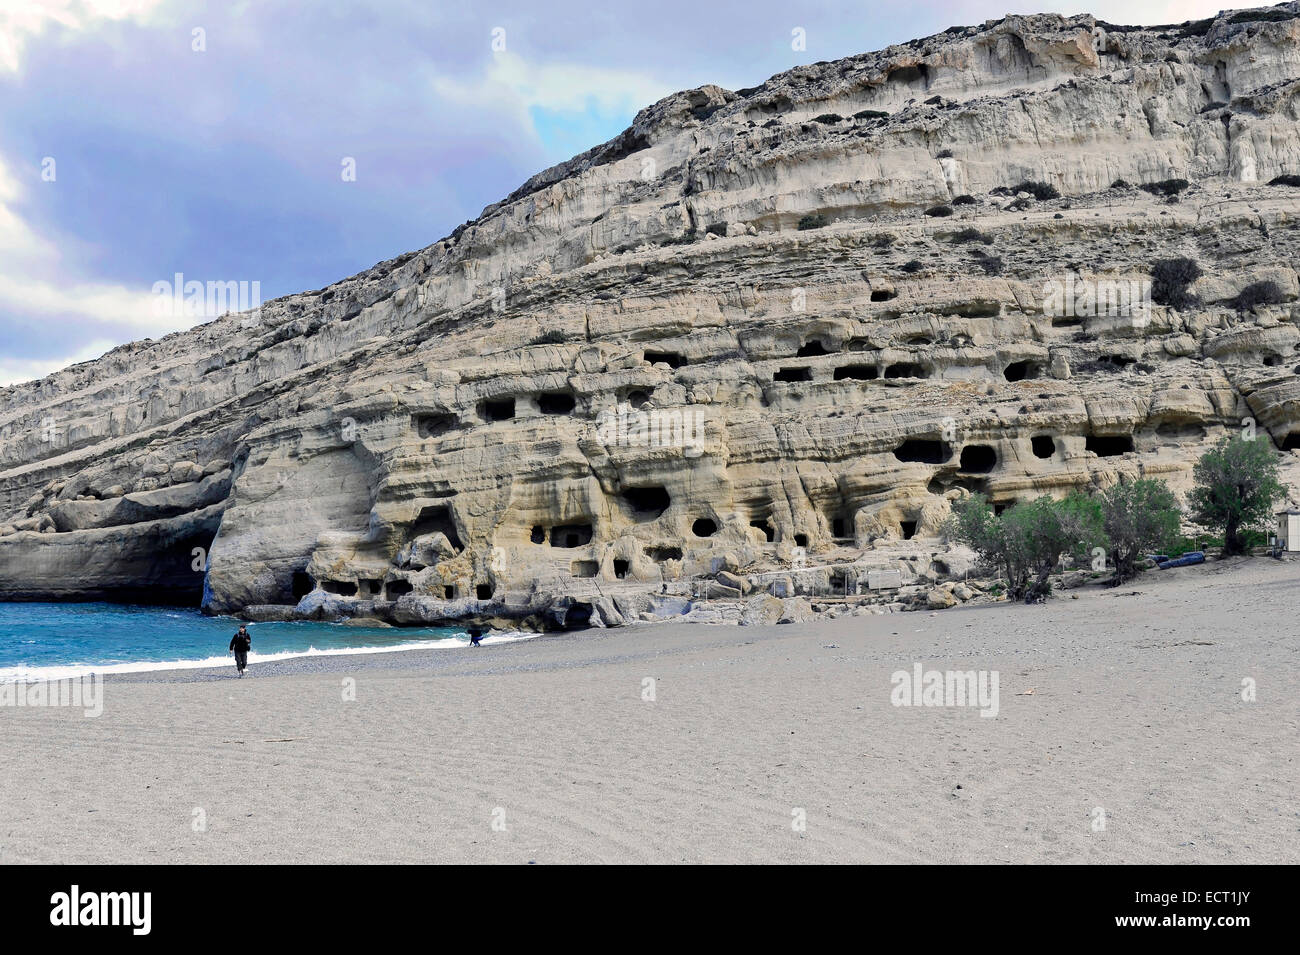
(639, 372)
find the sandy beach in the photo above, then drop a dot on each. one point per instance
(1126, 702)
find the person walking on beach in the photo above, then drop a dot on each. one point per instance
(475, 635)
(241, 643)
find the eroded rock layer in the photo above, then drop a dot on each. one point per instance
(762, 334)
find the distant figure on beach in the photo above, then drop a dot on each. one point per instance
(241, 643)
(475, 635)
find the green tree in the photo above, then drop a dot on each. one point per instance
(1028, 540)
(1236, 487)
(1138, 517)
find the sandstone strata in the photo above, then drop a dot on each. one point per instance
(637, 381)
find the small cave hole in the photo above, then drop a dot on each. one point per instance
(922, 451)
(556, 402)
(497, 409)
(857, 373)
(793, 374)
(978, 458)
(704, 527)
(647, 503)
(1043, 444)
(1109, 445)
(906, 369)
(670, 358)
(302, 584)
(571, 535)
(398, 588)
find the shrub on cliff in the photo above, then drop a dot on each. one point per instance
(1042, 191)
(1027, 541)
(972, 235)
(939, 211)
(1165, 187)
(913, 266)
(1259, 293)
(1236, 487)
(1169, 281)
(870, 114)
(964, 200)
(811, 221)
(1285, 180)
(1140, 517)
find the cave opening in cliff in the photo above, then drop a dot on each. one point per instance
(584, 569)
(1044, 445)
(1272, 361)
(857, 373)
(343, 588)
(999, 508)
(449, 592)
(766, 527)
(370, 587)
(1291, 442)
(704, 527)
(437, 519)
(647, 503)
(978, 458)
(538, 536)
(906, 369)
(811, 349)
(638, 397)
(578, 615)
(793, 374)
(841, 527)
(398, 588)
(800, 540)
(571, 535)
(922, 451)
(432, 425)
(883, 295)
(670, 358)
(1066, 321)
(1022, 371)
(917, 76)
(556, 402)
(301, 585)
(497, 409)
(907, 529)
(483, 591)
(661, 554)
(621, 567)
(1109, 445)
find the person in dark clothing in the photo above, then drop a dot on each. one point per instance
(475, 635)
(241, 643)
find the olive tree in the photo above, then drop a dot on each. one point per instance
(1236, 487)
(1138, 517)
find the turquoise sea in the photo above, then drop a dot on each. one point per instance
(58, 640)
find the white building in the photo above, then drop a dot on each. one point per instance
(1288, 529)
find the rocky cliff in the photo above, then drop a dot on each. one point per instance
(760, 340)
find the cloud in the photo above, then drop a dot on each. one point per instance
(525, 90)
(14, 370)
(24, 20)
(33, 285)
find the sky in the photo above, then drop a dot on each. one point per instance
(293, 144)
